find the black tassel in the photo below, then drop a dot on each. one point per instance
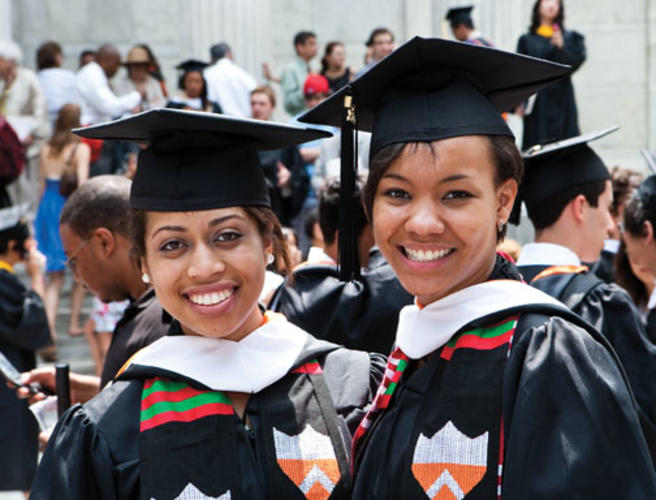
(349, 259)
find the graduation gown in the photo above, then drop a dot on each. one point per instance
(502, 393)
(165, 430)
(23, 330)
(554, 115)
(360, 314)
(610, 309)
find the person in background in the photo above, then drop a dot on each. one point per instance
(637, 280)
(624, 181)
(333, 66)
(462, 26)
(58, 84)
(228, 84)
(63, 153)
(552, 115)
(295, 255)
(362, 314)
(154, 69)
(312, 233)
(381, 44)
(639, 236)
(23, 330)
(568, 193)
(85, 57)
(138, 78)
(193, 89)
(23, 104)
(296, 72)
(286, 176)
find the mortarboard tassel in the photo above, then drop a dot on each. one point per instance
(349, 260)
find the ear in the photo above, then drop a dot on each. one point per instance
(107, 240)
(649, 232)
(143, 265)
(577, 207)
(506, 194)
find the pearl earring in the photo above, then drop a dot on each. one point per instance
(145, 278)
(270, 259)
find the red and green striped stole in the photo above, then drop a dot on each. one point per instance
(482, 339)
(311, 368)
(164, 401)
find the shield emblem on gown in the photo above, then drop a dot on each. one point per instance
(308, 459)
(449, 464)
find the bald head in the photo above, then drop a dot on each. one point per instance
(102, 201)
(109, 59)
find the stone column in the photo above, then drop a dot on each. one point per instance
(5, 19)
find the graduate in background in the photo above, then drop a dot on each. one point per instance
(552, 115)
(462, 26)
(234, 402)
(193, 89)
(568, 193)
(23, 330)
(495, 389)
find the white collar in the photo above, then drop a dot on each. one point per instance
(651, 304)
(612, 246)
(250, 365)
(422, 331)
(316, 255)
(547, 254)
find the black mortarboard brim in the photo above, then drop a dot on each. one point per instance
(191, 65)
(197, 160)
(429, 89)
(560, 165)
(459, 15)
(649, 158)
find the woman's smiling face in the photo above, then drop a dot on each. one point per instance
(207, 268)
(435, 215)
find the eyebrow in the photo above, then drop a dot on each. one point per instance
(450, 178)
(213, 222)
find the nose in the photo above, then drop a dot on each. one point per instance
(424, 219)
(204, 263)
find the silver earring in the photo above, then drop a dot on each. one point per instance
(145, 278)
(500, 226)
(270, 259)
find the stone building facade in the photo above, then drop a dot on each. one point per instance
(617, 84)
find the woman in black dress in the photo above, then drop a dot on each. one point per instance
(333, 66)
(553, 115)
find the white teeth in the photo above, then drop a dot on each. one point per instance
(211, 299)
(427, 255)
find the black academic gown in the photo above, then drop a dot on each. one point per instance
(23, 330)
(554, 115)
(109, 454)
(604, 268)
(610, 309)
(360, 314)
(544, 415)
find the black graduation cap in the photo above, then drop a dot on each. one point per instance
(459, 15)
(191, 65)
(428, 89)
(553, 167)
(197, 160)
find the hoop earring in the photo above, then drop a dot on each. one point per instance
(145, 278)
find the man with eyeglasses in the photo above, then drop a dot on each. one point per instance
(94, 232)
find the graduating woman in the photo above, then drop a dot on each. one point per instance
(494, 389)
(553, 114)
(235, 402)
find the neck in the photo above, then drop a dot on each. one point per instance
(332, 250)
(545, 21)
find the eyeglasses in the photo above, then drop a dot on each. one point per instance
(71, 261)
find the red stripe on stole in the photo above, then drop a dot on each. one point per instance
(312, 368)
(478, 343)
(169, 396)
(187, 416)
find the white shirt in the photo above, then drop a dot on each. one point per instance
(154, 95)
(230, 87)
(316, 255)
(59, 86)
(97, 100)
(547, 254)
